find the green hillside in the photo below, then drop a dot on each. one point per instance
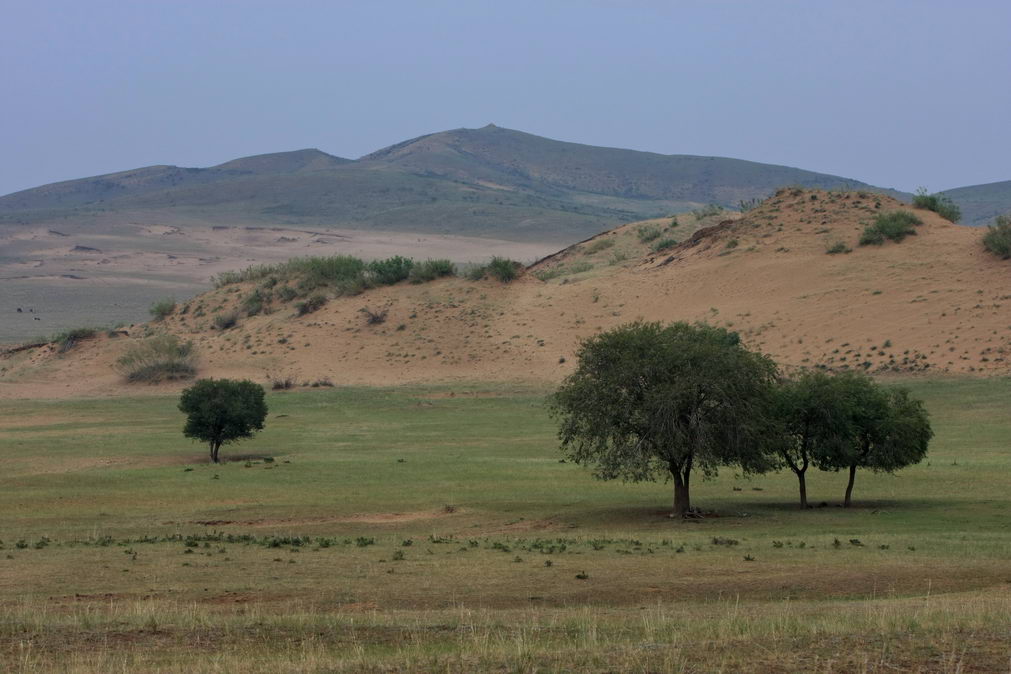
(484, 182)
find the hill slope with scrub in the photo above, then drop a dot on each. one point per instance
(789, 275)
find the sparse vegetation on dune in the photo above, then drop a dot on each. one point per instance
(67, 340)
(340, 272)
(158, 358)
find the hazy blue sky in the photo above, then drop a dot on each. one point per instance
(898, 94)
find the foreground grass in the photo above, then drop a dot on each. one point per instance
(411, 529)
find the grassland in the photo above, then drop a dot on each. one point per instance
(434, 529)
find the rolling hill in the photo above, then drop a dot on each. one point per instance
(932, 303)
(491, 181)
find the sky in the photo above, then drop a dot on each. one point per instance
(895, 93)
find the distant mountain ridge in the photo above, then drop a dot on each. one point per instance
(490, 181)
(980, 204)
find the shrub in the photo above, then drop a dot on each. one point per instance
(599, 245)
(287, 293)
(158, 358)
(253, 304)
(226, 320)
(837, 248)
(374, 317)
(67, 340)
(162, 308)
(647, 233)
(389, 271)
(997, 239)
(429, 270)
(706, 211)
(503, 269)
(894, 225)
(733, 243)
(939, 203)
(281, 382)
(310, 305)
(664, 244)
(476, 273)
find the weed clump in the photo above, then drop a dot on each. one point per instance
(67, 340)
(374, 316)
(939, 203)
(158, 358)
(837, 248)
(997, 239)
(663, 244)
(311, 304)
(226, 320)
(429, 270)
(647, 233)
(599, 245)
(895, 226)
(162, 309)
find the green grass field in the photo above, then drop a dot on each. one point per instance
(436, 530)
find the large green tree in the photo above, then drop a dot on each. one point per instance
(889, 430)
(649, 400)
(220, 411)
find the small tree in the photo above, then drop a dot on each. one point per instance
(220, 411)
(814, 423)
(649, 400)
(889, 430)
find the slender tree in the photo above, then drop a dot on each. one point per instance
(649, 400)
(221, 411)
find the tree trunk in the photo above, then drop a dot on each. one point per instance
(682, 498)
(214, 452)
(803, 487)
(849, 487)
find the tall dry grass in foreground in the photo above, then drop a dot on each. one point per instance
(952, 633)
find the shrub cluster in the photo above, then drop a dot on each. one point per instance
(158, 358)
(346, 273)
(939, 203)
(997, 239)
(500, 268)
(894, 225)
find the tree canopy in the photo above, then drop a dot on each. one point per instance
(649, 400)
(220, 411)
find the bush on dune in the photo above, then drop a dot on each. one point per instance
(158, 358)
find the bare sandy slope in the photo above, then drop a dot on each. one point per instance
(75, 277)
(934, 303)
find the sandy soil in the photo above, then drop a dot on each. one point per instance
(933, 304)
